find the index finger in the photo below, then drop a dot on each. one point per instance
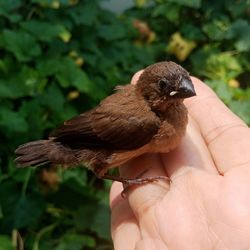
(226, 135)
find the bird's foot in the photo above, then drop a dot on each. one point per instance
(128, 182)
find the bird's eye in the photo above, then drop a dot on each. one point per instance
(163, 83)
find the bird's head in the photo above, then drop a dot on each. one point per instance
(165, 82)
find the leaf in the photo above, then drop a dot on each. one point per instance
(21, 44)
(53, 4)
(95, 216)
(7, 9)
(216, 29)
(199, 59)
(84, 13)
(190, 3)
(222, 89)
(111, 32)
(6, 243)
(65, 36)
(192, 32)
(5, 91)
(48, 66)
(10, 5)
(169, 10)
(240, 31)
(25, 82)
(222, 66)
(75, 242)
(69, 74)
(101, 223)
(20, 176)
(19, 210)
(76, 175)
(44, 31)
(27, 210)
(237, 8)
(53, 98)
(140, 3)
(241, 108)
(84, 215)
(73, 193)
(12, 122)
(35, 114)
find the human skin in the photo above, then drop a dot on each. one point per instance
(207, 203)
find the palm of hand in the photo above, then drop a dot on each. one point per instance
(207, 203)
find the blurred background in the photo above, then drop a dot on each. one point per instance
(60, 58)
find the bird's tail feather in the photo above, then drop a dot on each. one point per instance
(33, 153)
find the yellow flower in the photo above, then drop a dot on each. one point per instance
(73, 95)
(65, 36)
(233, 83)
(55, 4)
(180, 47)
(79, 61)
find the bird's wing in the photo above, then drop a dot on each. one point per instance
(118, 123)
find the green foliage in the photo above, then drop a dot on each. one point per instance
(60, 58)
(6, 243)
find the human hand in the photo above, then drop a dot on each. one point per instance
(207, 203)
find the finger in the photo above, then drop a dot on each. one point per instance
(136, 77)
(142, 197)
(151, 244)
(124, 228)
(192, 152)
(226, 135)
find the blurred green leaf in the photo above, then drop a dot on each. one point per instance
(169, 10)
(191, 3)
(192, 32)
(240, 31)
(222, 88)
(102, 221)
(35, 115)
(111, 32)
(53, 98)
(44, 31)
(20, 176)
(53, 4)
(75, 175)
(21, 44)
(241, 108)
(75, 242)
(216, 29)
(25, 82)
(27, 210)
(8, 7)
(11, 121)
(5, 91)
(48, 66)
(19, 210)
(69, 74)
(84, 215)
(237, 8)
(222, 66)
(84, 13)
(6, 243)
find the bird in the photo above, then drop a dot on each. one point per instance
(148, 117)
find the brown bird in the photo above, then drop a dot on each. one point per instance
(148, 117)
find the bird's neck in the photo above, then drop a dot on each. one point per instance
(162, 107)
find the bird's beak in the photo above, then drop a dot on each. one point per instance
(185, 89)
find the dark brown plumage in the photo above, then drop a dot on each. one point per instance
(147, 117)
